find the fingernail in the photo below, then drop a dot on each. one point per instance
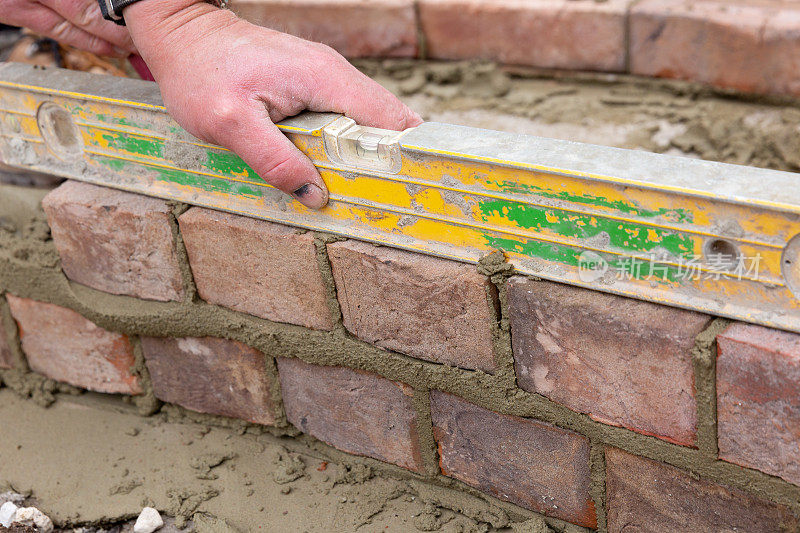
(121, 52)
(311, 196)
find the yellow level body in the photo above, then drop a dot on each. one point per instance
(718, 238)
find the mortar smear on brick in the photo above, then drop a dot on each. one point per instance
(115, 241)
(63, 345)
(257, 267)
(758, 399)
(533, 464)
(211, 375)
(622, 361)
(645, 495)
(422, 306)
(355, 411)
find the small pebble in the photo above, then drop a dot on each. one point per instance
(149, 520)
(31, 516)
(7, 512)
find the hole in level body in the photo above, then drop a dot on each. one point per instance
(60, 134)
(722, 253)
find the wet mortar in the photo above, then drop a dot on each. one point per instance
(219, 473)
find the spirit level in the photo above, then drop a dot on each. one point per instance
(717, 238)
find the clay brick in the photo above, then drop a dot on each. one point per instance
(749, 46)
(358, 412)
(256, 267)
(64, 346)
(644, 495)
(561, 34)
(758, 399)
(533, 464)
(211, 375)
(426, 307)
(624, 362)
(355, 28)
(115, 241)
(6, 358)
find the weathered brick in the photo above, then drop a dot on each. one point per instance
(115, 241)
(256, 267)
(418, 305)
(211, 375)
(64, 346)
(644, 495)
(749, 46)
(533, 464)
(758, 399)
(355, 28)
(622, 361)
(6, 358)
(562, 34)
(354, 411)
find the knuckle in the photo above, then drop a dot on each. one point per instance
(279, 169)
(224, 113)
(325, 53)
(61, 30)
(88, 14)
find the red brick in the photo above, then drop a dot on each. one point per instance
(644, 495)
(624, 362)
(415, 304)
(6, 358)
(115, 241)
(749, 46)
(355, 28)
(354, 411)
(758, 399)
(533, 464)
(256, 267)
(211, 375)
(66, 347)
(561, 34)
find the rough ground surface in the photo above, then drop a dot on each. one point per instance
(85, 460)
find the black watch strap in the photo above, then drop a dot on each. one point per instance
(112, 9)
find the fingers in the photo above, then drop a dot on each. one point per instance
(276, 160)
(346, 90)
(44, 20)
(86, 15)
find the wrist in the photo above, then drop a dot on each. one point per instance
(160, 28)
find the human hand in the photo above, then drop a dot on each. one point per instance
(74, 22)
(227, 81)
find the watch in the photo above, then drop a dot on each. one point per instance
(112, 9)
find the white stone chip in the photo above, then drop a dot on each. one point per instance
(7, 512)
(31, 516)
(149, 520)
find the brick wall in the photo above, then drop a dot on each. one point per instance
(745, 45)
(587, 409)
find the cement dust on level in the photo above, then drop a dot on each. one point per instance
(88, 465)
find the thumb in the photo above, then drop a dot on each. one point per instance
(277, 161)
